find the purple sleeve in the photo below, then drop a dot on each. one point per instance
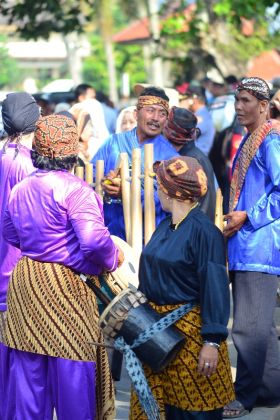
(85, 214)
(9, 232)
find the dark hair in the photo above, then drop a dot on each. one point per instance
(184, 118)
(198, 91)
(46, 163)
(81, 89)
(154, 91)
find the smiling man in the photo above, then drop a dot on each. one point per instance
(253, 230)
(152, 111)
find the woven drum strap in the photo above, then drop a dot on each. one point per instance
(134, 366)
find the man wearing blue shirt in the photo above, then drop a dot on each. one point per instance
(253, 230)
(152, 112)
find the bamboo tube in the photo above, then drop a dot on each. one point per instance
(219, 218)
(99, 175)
(79, 172)
(125, 183)
(89, 173)
(136, 205)
(149, 206)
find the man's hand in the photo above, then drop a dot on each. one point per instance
(112, 185)
(208, 360)
(236, 220)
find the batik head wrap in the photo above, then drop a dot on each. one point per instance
(180, 126)
(56, 137)
(20, 113)
(181, 178)
(147, 100)
(256, 87)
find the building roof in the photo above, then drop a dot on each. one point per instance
(266, 65)
(139, 31)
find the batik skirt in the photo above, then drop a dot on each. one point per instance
(180, 384)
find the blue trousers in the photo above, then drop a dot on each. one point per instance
(255, 338)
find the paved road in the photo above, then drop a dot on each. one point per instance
(122, 391)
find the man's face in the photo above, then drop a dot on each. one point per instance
(249, 109)
(89, 94)
(151, 120)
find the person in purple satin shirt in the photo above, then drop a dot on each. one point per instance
(19, 113)
(52, 319)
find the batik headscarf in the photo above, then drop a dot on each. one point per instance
(20, 113)
(147, 100)
(256, 87)
(181, 178)
(180, 126)
(56, 137)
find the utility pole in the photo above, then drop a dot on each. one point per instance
(156, 62)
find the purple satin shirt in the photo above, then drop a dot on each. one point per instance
(12, 170)
(53, 216)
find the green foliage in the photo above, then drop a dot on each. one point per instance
(41, 17)
(128, 59)
(9, 75)
(233, 10)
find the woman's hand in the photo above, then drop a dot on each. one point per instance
(208, 360)
(120, 256)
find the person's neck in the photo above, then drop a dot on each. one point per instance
(180, 210)
(257, 124)
(26, 140)
(142, 137)
(187, 145)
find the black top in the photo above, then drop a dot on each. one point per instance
(208, 202)
(189, 263)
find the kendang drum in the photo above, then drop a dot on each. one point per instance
(108, 285)
(130, 314)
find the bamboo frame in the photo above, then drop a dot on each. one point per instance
(126, 199)
(136, 205)
(149, 202)
(219, 218)
(99, 175)
(79, 172)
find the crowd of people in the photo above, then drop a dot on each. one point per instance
(55, 230)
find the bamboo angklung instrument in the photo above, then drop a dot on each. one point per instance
(219, 218)
(126, 197)
(149, 202)
(136, 205)
(89, 173)
(99, 175)
(79, 172)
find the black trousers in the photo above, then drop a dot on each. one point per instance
(255, 338)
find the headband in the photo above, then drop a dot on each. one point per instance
(152, 100)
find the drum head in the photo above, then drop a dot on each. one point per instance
(128, 271)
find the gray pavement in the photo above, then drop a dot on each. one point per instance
(123, 389)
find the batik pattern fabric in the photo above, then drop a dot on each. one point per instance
(180, 384)
(53, 312)
(246, 153)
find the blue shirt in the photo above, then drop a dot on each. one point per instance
(256, 246)
(110, 152)
(207, 128)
